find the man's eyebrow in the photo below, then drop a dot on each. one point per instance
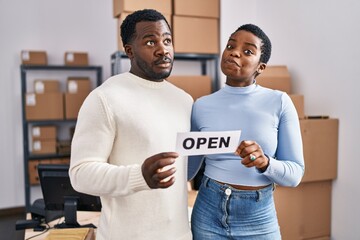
(247, 43)
(153, 35)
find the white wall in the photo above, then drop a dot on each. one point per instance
(319, 42)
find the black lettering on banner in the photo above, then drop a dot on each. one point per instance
(201, 141)
(212, 142)
(224, 142)
(192, 143)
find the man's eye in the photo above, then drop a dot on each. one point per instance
(150, 43)
(167, 41)
(229, 46)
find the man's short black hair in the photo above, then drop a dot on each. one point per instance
(128, 27)
(266, 43)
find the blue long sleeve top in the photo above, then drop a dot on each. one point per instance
(263, 115)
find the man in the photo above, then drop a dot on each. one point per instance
(125, 135)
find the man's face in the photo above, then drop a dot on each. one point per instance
(151, 51)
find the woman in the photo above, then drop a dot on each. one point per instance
(235, 199)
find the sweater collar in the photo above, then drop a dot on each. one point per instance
(240, 90)
(146, 83)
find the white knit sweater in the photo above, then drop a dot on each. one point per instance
(121, 123)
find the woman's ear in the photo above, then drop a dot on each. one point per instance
(261, 68)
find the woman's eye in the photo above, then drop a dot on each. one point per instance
(248, 52)
(228, 46)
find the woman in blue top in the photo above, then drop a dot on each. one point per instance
(235, 199)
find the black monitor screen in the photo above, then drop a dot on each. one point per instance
(60, 195)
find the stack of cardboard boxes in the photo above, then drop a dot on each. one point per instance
(304, 212)
(48, 102)
(196, 20)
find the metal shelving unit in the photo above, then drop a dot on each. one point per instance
(25, 123)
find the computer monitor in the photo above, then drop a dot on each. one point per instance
(58, 195)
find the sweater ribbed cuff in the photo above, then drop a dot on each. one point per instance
(136, 179)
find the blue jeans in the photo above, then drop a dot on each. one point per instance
(222, 212)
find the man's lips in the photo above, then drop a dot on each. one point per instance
(163, 61)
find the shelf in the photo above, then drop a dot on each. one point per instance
(26, 124)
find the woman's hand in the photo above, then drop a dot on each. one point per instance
(252, 155)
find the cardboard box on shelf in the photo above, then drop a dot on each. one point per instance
(320, 143)
(73, 102)
(275, 77)
(33, 170)
(76, 59)
(45, 106)
(120, 6)
(44, 146)
(304, 212)
(298, 101)
(196, 86)
(46, 86)
(29, 57)
(78, 84)
(43, 132)
(197, 8)
(201, 30)
(121, 18)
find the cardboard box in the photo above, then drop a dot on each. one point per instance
(78, 84)
(76, 59)
(197, 8)
(45, 106)
(275, 77)
(33, 57)
(204, 33)
(43, 132)
(196, 86)
(121, 18)
(46, 86)
(304, 212)
(192, 197)
(298, 101)
(320, 143)
(73, 102)
(120, 6)
(33, 170)
(44, 147)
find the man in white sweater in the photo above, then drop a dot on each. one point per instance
(124, 141)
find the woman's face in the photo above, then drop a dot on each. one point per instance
(240, 60)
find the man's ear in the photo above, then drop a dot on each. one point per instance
(261, 68)
(128, 51)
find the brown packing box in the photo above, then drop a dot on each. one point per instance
(298, 101)
(304, 212)
(197, 8)
(33, 57)
(43, 132)
(120, 6)
(76, 59)
(121, 18)
(78, 84)
(320, 143)
(45, 106)
(196, 86)
(73, 102)
(275, 77)
(33, 170)
(46, 86)
(44, 146)
(204, 33)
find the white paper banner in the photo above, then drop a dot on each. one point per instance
(201, 143)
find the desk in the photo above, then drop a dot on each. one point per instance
(82, 217)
